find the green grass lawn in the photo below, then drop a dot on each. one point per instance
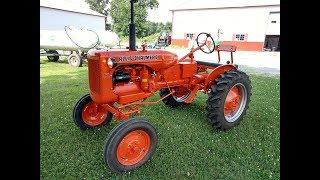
(188, 147)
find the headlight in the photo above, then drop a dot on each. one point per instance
(111, 62)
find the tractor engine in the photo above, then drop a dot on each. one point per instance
(130, 80)
(125, 77)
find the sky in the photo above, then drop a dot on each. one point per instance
(161, 14)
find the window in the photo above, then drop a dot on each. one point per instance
(240, 37)
(188, 35)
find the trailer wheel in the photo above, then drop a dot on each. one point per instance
(174, 100)
(52, 58)
(228, 99)
(88, 115)
(75, 60)
(130, 144)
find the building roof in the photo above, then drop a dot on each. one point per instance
(70, 5)
(216, 4)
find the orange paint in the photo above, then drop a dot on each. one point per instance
(216, 73)
(93, 114)
(133, 147)
(241, 45)
(245, 46)
(144, 75)
(129, 98)
(188, 69)
(126, 89)
(180, 42)
(232, 102)
(147, 71)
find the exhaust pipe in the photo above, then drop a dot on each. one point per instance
(132, 28)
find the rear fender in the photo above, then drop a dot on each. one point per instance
(216, 73)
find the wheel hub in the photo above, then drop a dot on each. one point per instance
(133, 147)
(93, 114)
(235, 102)
(232, 100)
(74, 60)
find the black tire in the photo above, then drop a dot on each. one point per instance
(170, 100)
(217, 97)
(52, 58)
(77, 114)
(118, 133)
(75, 60)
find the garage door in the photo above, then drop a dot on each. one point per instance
(273, 24)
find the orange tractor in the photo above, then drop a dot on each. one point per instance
(121, 80)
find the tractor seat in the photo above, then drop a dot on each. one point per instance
(208, 64)
(227, 48)
(212, 64)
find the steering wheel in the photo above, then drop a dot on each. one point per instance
(206, 38)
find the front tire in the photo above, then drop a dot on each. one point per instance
(130, 145)
(228, 99)
(88, 115)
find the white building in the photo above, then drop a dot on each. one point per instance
(56, 14)
(248, 24)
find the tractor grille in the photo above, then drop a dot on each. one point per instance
(94, 75)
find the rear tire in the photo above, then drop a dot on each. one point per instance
(129, 145)
(84, 120)
(171, 100)
(223, 113)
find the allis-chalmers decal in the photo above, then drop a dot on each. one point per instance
(138, 58)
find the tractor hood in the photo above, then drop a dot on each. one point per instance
(155, 59)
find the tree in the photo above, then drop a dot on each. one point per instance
(100, 6)
(120, 13)
(168, 26)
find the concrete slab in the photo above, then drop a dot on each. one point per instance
(259, 62)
